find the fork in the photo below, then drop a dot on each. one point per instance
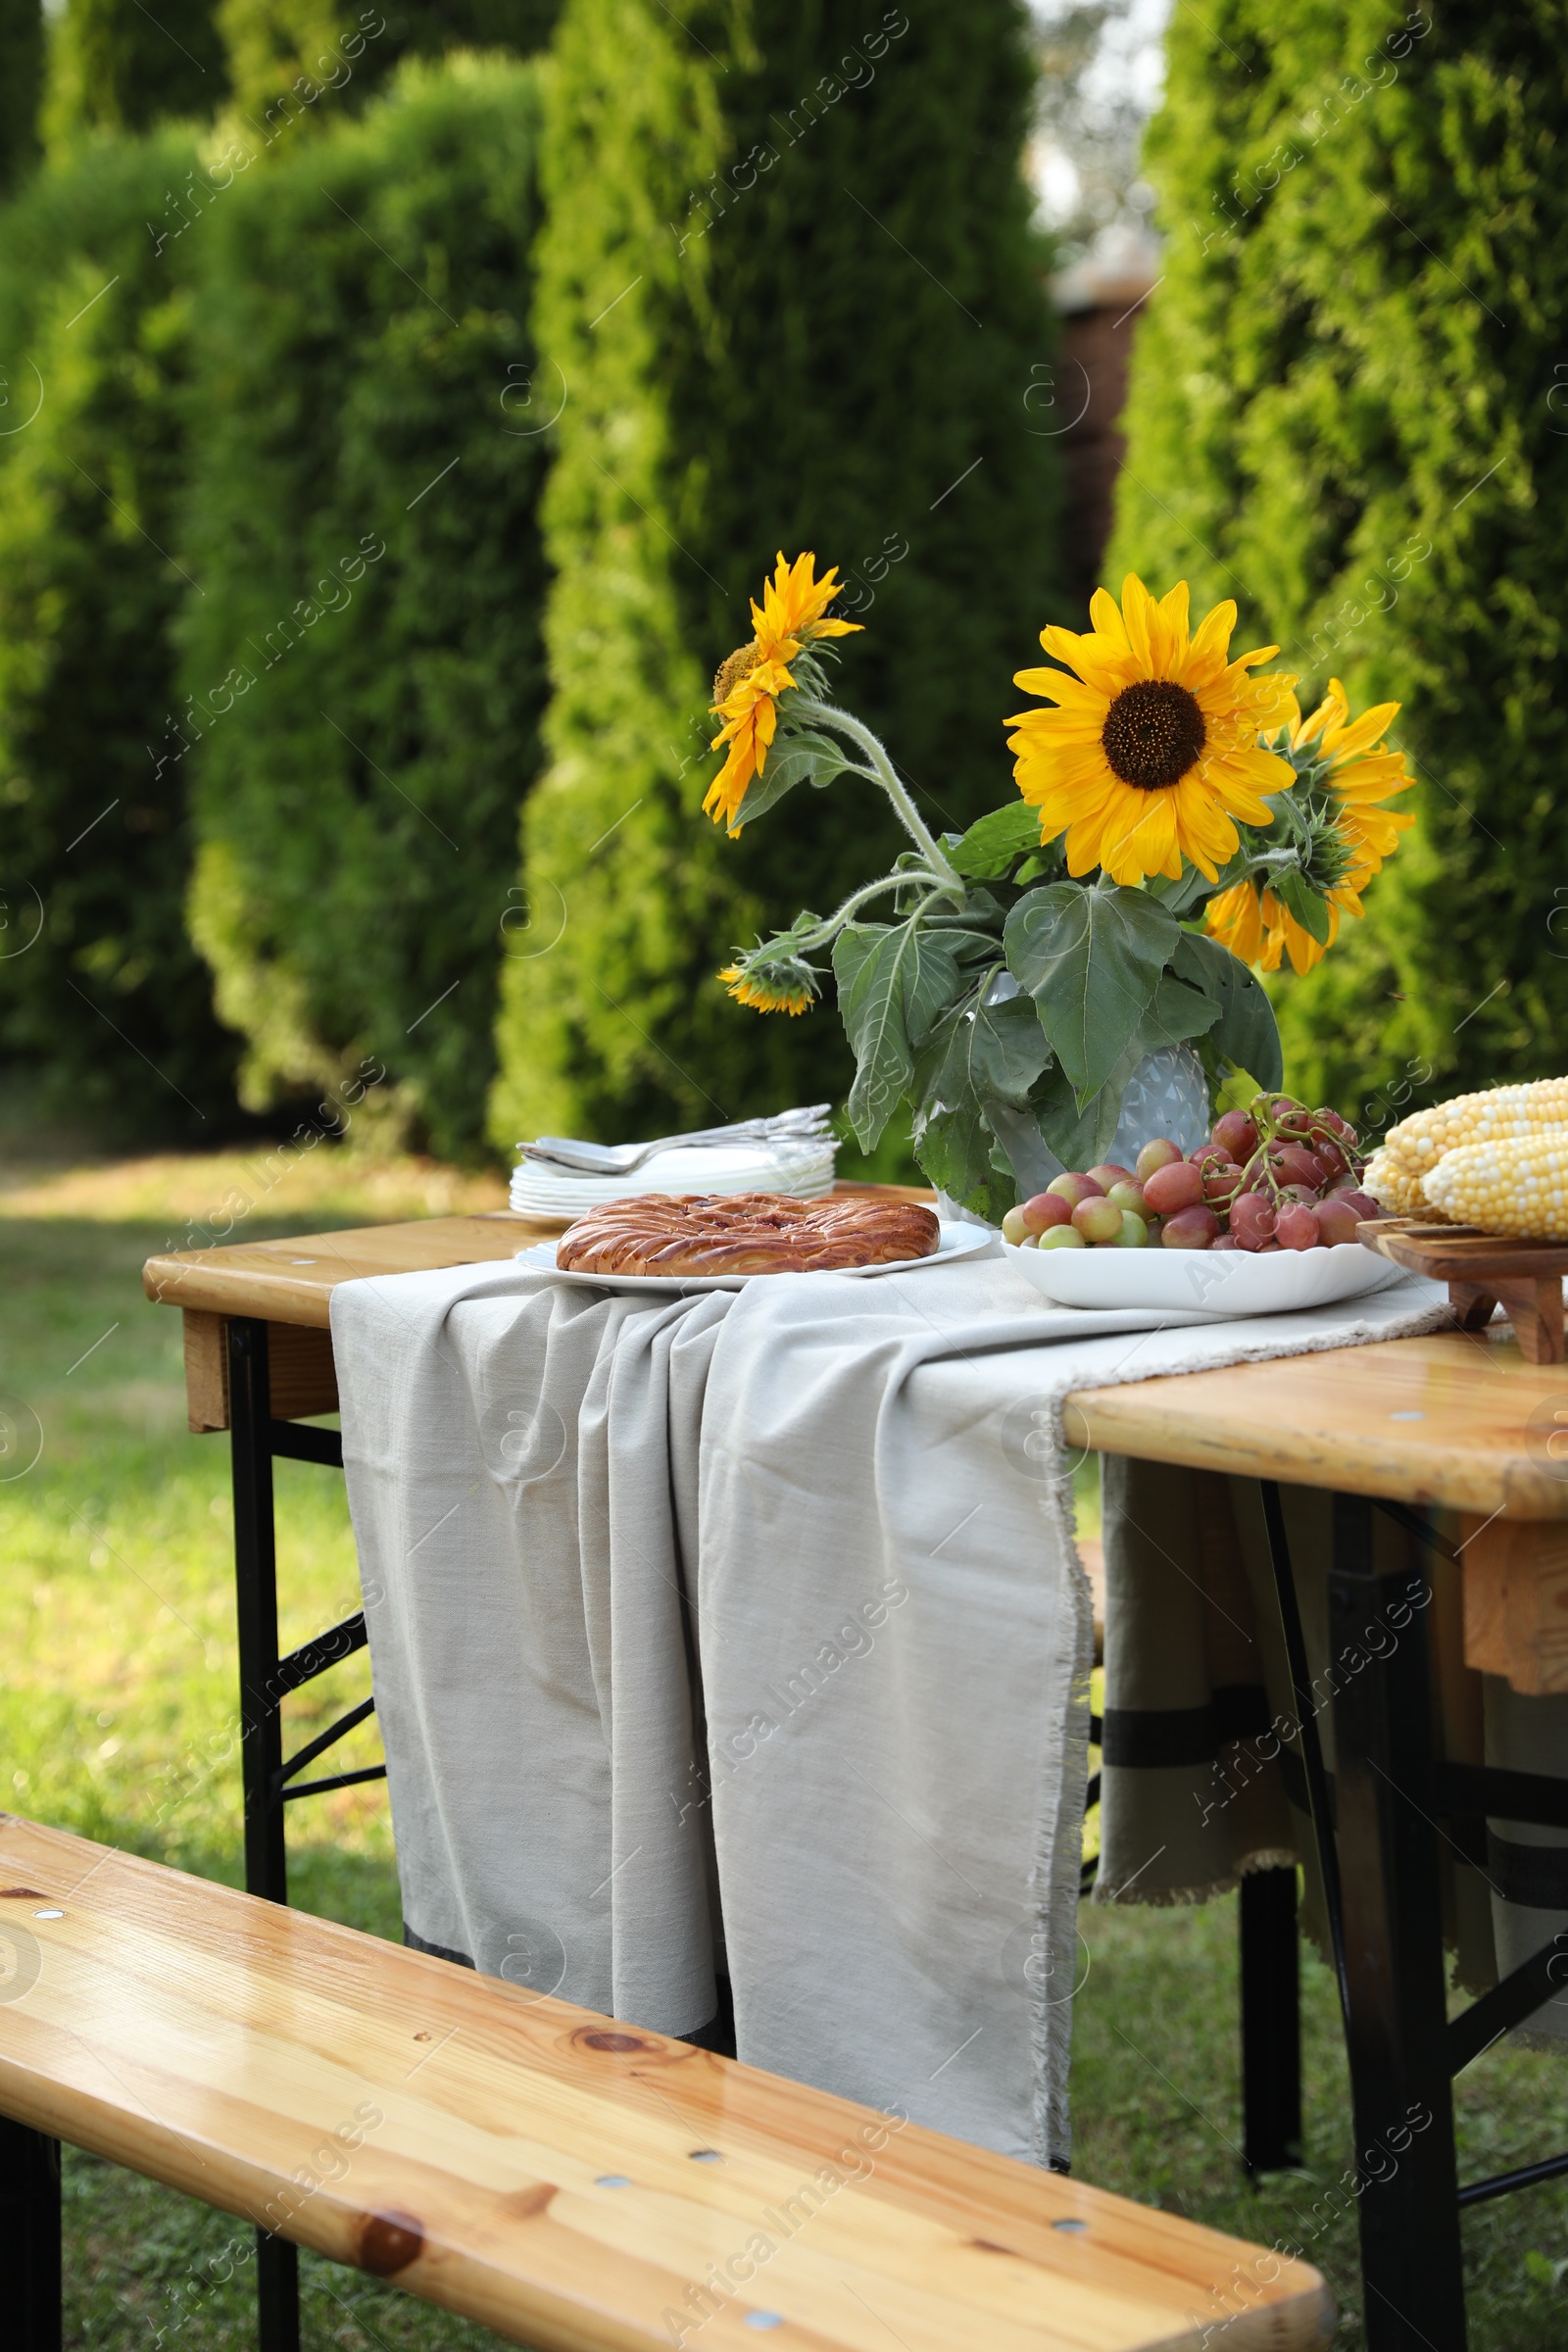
(805, 1125)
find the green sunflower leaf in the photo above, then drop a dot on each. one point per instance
(1310, 910)
(797, 757)
(990, 1052)
(894, 981)
(986, 851)
(1246, 1032)
(1091, 961)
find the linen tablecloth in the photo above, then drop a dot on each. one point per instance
(745, 1633)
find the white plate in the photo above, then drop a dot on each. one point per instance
(803, 1170)
(1222, 1283)
(954, 1241)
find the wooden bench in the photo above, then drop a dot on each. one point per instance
(570, 2183)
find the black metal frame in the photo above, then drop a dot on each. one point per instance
(30, 2233)
(1377, 1835)
(265, 1681)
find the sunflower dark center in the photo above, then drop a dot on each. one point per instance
(1153, 732)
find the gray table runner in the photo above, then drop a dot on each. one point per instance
(746, 1631)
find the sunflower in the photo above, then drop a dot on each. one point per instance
(1358, 767)
(749, 711)
(771, 983)
(1350, 760)
(1153, 747)
(751, 680)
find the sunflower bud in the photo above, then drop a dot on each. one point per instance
(771, 979)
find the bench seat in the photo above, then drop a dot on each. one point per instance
(571, 2182)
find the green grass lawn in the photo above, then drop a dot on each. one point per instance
(117, 1686)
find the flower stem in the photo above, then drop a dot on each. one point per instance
(822, 932)
(828, 715)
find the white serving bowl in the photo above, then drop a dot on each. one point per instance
(1219, 1282)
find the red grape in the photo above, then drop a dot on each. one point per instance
(1160, 1153)
(1177, 1185)
(1235, 1135)
(1128, 1194)
(1045, 1210)
(1192, 1228)
(1073, 1189)
(1298, 1227)
(1336, 1219)
(1108, 1173)
(1252, 1219)
(1097, 1219)
(1297, 1166)
(1362, 1202)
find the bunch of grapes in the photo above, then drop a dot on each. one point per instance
(1276, 1176)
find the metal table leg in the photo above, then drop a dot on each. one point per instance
(256, 1594)
(265, 1680)
(1271, 2022)
(278, 2284)
(30, 2233)
(1396, 2021)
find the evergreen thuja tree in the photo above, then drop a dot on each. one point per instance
(20, 89)
(789, 281)
(1350, 411)
(363, 671)
(101, 994)
(117, 66)
(304, 63)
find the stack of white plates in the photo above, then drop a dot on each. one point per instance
(541, 1190)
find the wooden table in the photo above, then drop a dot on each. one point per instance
(1455, 1419)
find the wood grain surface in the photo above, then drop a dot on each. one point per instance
(570, 2183)
(1516, 1601)
(293, 1281)
(1456, 1418)
(303, 1376)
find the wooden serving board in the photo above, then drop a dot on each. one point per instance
(1483, 1271)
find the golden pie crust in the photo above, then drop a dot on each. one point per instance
(744, 1232)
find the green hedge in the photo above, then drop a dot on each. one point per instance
(306, 62)
(110, 1002)
(20, 89)
(788, 280)
(1350, 411)
(114, 65)
(364, 658)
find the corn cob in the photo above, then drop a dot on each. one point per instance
(1512, 1184)
(1416, 1145)
(1396, 1188)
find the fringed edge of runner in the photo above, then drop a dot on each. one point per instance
(1174, 1899)
(1058, 1860)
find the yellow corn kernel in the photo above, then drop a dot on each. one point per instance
(1511, 1184)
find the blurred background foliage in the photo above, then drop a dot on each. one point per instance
(362, 664)
(662, 293)
(786, 308)
(1350, 411)
(102, 993)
